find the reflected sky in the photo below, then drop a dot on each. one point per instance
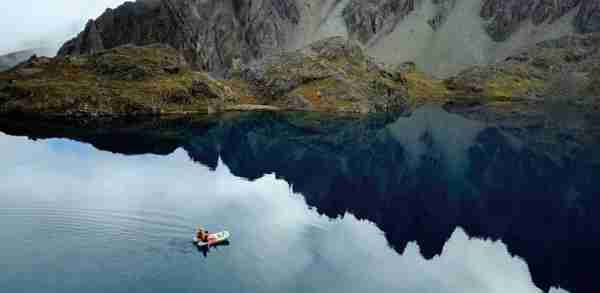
(119, 223)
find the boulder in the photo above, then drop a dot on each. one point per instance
(203, 88)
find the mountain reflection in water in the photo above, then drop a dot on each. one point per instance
(429, 179)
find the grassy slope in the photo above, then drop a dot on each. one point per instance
(155, 80)
(119, 81)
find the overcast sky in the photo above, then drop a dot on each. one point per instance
(31, 23)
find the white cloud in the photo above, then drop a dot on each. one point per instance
(33, 23)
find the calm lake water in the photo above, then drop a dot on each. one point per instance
(430, 202)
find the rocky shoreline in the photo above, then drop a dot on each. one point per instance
(331, 75)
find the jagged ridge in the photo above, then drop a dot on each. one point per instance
(210, 34)
(213, 34)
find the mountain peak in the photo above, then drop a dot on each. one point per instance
(442, 36)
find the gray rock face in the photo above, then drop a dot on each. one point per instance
(211, 34)
(214, 34)
(366, 18)
(444, 7)
(588, 18)
(88, 41)
(507, 15)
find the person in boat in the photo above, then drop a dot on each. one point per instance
(201, 234)
(204, 236)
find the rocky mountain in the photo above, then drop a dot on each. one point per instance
(9, 60)
(506, 16)
(441, 36)
(276, 55)
(566, 67)
(331, 75)
(211, 34)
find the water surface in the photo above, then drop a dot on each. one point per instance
(430, 202)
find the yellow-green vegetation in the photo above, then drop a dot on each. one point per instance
(327, 94)
(500, 83)
(423, 87)
(239, 87)
(343, 105)
(508, 85)
(312, 92)
(333, 74)
(330, 75)
(123, 80)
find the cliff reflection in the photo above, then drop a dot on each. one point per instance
(417, 178)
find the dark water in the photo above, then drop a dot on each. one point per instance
(427, 203)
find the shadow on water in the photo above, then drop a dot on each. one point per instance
(189, 247)
(205, 250)
(417, 178)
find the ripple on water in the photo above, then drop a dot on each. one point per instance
(81, 224)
